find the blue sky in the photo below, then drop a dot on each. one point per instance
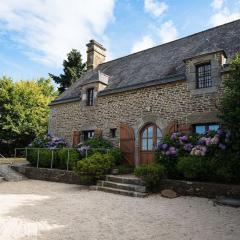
(35, 35)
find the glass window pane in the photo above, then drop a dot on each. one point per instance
(213, 127)
(150, 132)
(144, 135)
(150, 144)
(159, 134)
(144, 144)
(158, 141)
(200, 129)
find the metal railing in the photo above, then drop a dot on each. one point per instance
(1, 156)
(25, 152)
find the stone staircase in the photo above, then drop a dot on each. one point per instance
(127, 185)
(8, 174)
(1, 179)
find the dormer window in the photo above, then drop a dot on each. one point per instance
(204, 79)
(90, 93)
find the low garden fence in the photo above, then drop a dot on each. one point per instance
(26, 152)
(1, 156)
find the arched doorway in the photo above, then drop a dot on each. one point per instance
(150, 138)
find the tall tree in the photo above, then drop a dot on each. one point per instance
(230, 114)
(23, 111)
(73, 69)
(230, 102)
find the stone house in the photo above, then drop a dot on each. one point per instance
(136, 99)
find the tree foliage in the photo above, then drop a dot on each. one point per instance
(73, 69)
(23, 111)
(230, 102)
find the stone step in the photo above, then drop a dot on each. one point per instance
(121, 192)
(123, 186)
(125, 179)
(2, 179)
(10, 174)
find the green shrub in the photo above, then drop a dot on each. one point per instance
(32, 156)
(117, 155)
(195, 167)
(63, 158)
(169, 162)
(151, 174)
(45, 157)
(95, 166)
(227, 166)
(230, 110)
(98, 143)
(125, 169)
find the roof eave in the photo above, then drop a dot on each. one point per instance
(66, 100)
(170, 79)
(206, 53)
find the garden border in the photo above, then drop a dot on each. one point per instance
(185, 188)
(48, 174)
(201, 189)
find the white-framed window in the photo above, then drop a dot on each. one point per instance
(203, 75)
(203, 128)
(88, 134)
(90, 97)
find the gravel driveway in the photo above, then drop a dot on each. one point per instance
(53, 211)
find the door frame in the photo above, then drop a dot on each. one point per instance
(129, 155)
(155, 137)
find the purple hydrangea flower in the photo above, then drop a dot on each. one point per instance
(201, 141)
(208, 141)
(222, 146)
(183, 138)
(83, 149)
(174, 136)
(188, 147)
(220, 132)
(164, 146)
(172, 151)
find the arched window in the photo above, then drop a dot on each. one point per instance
(150, 137)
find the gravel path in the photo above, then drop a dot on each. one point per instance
(40, 210)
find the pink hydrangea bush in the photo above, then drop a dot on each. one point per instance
(179, 145)
(199, 145)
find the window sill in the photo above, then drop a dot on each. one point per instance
(204, 90)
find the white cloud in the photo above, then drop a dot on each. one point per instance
(168, 32)
(217, 4)
(155, 7)
(222, 13)
(51, 28)
(144, 43)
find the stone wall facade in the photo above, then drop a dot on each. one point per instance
(159, 104)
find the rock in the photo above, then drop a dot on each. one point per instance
(231, 202)
(169, 193)
(115, 171)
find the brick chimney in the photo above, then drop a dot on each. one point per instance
(96, 54)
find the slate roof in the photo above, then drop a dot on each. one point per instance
(159, 64)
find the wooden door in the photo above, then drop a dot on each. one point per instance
(76, 138)
(127, 143)
(150, 138)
